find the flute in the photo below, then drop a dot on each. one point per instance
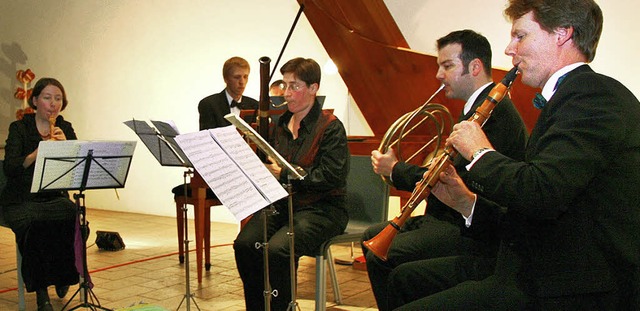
(52, 124)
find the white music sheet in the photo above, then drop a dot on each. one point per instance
(235, 146)
(60, 164)
(231, 169)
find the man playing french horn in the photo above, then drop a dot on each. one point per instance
(568, 214)
(464, 59)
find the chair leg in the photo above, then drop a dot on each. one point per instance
(334, 279)
(21, 304)
(180, 225)
(321, 284)
(207, 238)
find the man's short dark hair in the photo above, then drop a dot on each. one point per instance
(473, 44)
(305, 69)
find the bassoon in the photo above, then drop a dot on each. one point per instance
(263, 119)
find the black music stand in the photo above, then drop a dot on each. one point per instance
(161, 142)
(108, 169)
(162, 145)
(293, 173)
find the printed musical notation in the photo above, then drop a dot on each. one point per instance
(231, 169)
(61, 165)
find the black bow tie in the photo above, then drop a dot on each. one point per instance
(233, 104)
(539, 101)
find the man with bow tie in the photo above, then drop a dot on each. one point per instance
(213, 108)
(569, 214)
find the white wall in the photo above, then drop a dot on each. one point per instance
(423, 22)
(146, 59)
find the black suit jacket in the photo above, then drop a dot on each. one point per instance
(506, 131)
(213, 108)
(573, 208)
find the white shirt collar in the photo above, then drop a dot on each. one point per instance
(472, 98)
(549, 87)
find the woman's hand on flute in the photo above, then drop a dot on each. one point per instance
(58, 134)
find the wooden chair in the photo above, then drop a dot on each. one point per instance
(367, 203)
(21, 303)
(201, 202)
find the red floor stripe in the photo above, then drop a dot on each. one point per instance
(126, 264)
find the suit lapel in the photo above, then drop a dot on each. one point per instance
(549, 109)
(479, 100)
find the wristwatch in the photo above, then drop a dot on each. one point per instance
(478, 152)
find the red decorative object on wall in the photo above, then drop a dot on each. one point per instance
(24, 92)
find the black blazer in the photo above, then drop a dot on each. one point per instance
(506, 131)
(573, 208)
(214, 107)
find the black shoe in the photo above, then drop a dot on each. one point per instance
(45, 306)
(62, 290)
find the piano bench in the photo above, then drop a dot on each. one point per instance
(204, 223)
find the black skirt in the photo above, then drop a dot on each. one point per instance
(45, 233)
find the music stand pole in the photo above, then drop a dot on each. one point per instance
(188, 296)
(268, 291)
(84, 287)
(293, 304)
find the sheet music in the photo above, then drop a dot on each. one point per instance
(108, 163)
(231, 141)
(60, 164)
(251, 134)
(222, 175)
(63, 169)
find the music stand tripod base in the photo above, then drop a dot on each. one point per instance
(106, 163)
(188, 296)
(88, 298)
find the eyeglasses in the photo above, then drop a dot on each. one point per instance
(292, 87)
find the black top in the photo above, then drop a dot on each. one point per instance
(321, 150)
(23, 139)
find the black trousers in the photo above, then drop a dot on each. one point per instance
(312, 226)
(446, 283)
(458, 283)
(421, 237)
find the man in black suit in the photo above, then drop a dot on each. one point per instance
(569, 213)
(464, 59)
(214, 107)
